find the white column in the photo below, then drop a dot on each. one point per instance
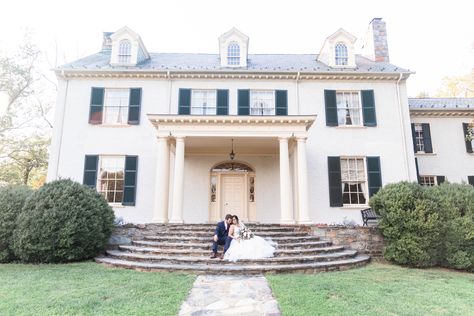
(177, 210)
(285, 184)
(160, 213)
(303, 216)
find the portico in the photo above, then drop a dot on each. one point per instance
(184, 136)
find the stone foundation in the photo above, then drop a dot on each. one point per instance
(366, 240)
(124, 234)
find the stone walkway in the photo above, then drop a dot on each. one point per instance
(230, 295)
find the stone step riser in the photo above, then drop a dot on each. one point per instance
(256, 229)
(201, 253)
(243, 270)
(210, 234)
(208, 246)
(275, 260)
(197, 240)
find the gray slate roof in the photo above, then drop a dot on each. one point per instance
(210, 62)
(441, 103)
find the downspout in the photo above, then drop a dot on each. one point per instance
(61, 127)
(168, 74)
(400, 113)
(297, 94)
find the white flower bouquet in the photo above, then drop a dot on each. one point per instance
(245, 234)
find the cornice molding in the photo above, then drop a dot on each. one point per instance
(442, 112)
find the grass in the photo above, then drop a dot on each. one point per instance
(88, 288)
(377, 289)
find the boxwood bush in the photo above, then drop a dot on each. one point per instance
(63, 221)
(12, 199)
(455, 206)
(409, 222)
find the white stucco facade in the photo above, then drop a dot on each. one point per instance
(176, 153)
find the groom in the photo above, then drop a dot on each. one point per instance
(221, 236)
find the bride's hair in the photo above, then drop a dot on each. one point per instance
(236, 217)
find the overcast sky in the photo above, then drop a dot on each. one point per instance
(435, 40)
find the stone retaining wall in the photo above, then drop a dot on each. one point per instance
(124, 234)
(366, 240)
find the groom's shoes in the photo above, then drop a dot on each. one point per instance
(214, 255)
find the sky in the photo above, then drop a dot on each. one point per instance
(433, 38)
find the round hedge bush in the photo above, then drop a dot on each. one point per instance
(409, 222)
(12, 199)
(63, 221)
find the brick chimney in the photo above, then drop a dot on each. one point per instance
(107, 42)
(375, 45)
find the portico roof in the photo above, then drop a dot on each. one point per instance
(229, 125)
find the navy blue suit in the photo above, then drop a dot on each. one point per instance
(222, 237)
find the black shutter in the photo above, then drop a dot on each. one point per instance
(470, 180)
(97, 105)
(134, 106)
(440, 179)
(417, 171)
(184, 101)
(244, 102)
(368, 108)
(465, 127)
(130, 183)
(281, 102)
(413, 135)
(335, 184)
(427, 137)
(374, 175)
(90, 170)
(222, 102)
(331, 107)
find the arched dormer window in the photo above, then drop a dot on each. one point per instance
(341, 54)
(233, 54)
(125, 52)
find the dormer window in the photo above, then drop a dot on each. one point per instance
(341, 54)
(233, 54)
(125, 52)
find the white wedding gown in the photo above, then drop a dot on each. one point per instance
(253, 248)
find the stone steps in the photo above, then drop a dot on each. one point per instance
(207, 252)
(207, 245)
(206, 260)
(211, 229)
(238, 268)
(208, 239)
(209, 234)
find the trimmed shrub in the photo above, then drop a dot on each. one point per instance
(12, 199)
(63, 221)
(409, 222)
(455, 206)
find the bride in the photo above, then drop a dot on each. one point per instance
(253, 248)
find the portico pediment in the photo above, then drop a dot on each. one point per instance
(238, 126)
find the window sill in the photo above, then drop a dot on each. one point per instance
(425, 154)
(116, 205)
(358, 206)
(112, 125)
(351, 126)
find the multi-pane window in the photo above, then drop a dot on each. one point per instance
(116, 106)
(428, 180)
(353, 178)
(110, 180)
(262, 102)
(125, 51)
(341, 54)
(233, 54)
(349, 111)
(203, 102)
(419, 140)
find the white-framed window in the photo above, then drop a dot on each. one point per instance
(341, 54)
(349, 110)
(428, 181)
(203, 102)
(116, 104)
(125, 51)
(354, 181)
(233, 54)
(111, 177)
(262, 102)
(419, 141)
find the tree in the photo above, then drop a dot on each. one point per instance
(24, 124)
(457, 87)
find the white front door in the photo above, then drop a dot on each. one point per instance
(233, 195)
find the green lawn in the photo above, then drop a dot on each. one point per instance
(377, 289)
(88, 288)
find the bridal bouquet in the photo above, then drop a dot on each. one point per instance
(245, 234)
